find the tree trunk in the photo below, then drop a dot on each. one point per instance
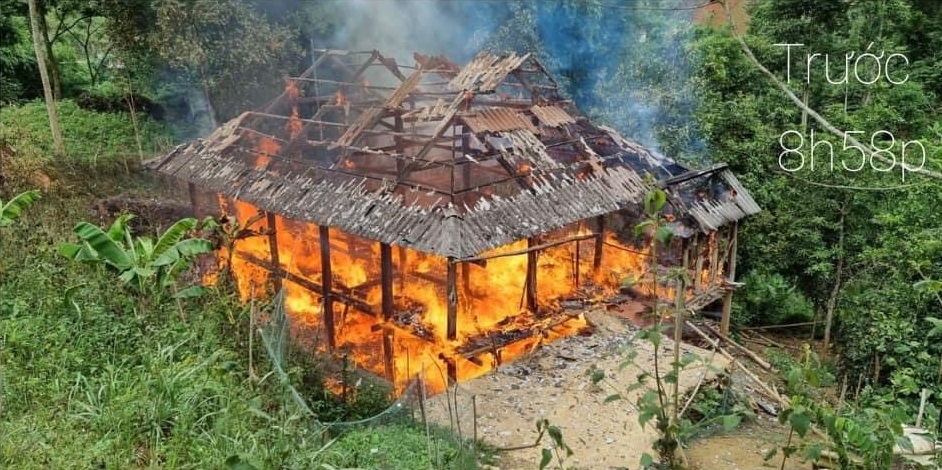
(47, 91)
(50, 56)
(838, 273)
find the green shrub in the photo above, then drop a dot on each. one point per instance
(770, 299)
(395, 446)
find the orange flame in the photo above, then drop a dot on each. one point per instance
(493, 321)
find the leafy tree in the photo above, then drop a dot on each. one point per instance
(34, 19)
(228, 48)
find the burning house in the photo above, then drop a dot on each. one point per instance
(458, 216)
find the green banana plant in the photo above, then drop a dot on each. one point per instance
(12, 209)
(148, 267)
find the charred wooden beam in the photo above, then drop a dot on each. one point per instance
(326, 281)
(691, 175)
(386, 275)
(532, 298)
(698, 249)
(389, 356)
(599, 243)
(308, 284)
(529, 249)
(452, 293)
(452, 366)
(403, 259)
(273, 248)
(345, 83)
(437, 280)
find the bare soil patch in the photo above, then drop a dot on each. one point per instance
(552, 383)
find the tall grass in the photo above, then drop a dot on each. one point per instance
(90, 136)
(91, 381)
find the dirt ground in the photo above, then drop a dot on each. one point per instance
(553, 383)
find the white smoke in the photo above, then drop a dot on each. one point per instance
(398, 28)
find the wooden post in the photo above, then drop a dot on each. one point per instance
(403, 259)
(194, 200)
(273, 249)
(452, 367)
(714, 258)
(452, 293)
(575, 273)
(531, 274)
(599, 242)
(731, 276)
(389, 355)
(465, 286)
(326, 282)
(386, 279)
(697, 280)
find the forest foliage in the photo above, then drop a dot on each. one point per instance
(863, 246)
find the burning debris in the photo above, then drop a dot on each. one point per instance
(448, 216)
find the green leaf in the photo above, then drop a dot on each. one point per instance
(800, 422)
(168, 257)
(663, 235)
(770, 454)
(194, 247)
(612, 398)
(654, 201)
(646, 460)
(597, 376)
(547, 457)
(644, 417)
(108, 250)
(119, 227)
(69, 250)
(173, 235)
(556, 435)
(190, 292)
(12, 210)
(931, 286)
(731, 421)
(936, 326)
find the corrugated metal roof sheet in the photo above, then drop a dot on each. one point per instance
(486, 72)
(552, 116)
(497, 119)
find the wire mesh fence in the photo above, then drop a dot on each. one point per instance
(452, 413)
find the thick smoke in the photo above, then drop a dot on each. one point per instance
(398, 28)
(624, 66)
